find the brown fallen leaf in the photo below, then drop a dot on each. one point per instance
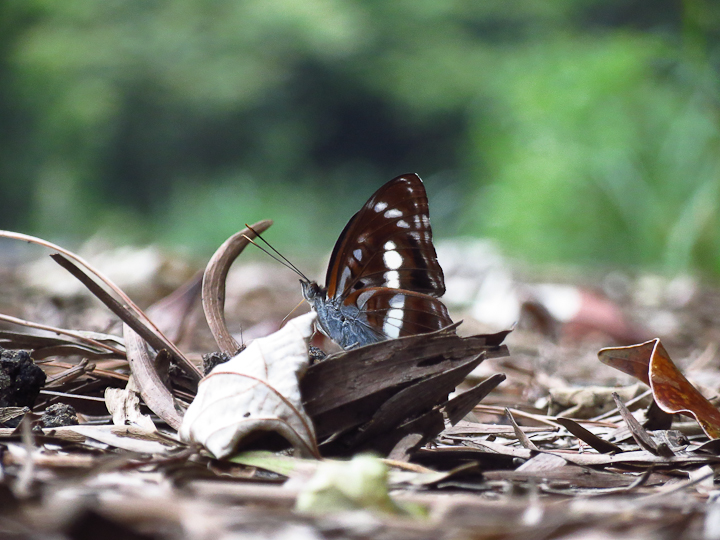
(100, 285)
(154, 391)
(639, 433)
(650, 363)
(520, 434)
(601, 445)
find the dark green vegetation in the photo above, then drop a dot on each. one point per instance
(584, 131)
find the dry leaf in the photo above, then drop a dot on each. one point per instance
(214, 279)
(590, 401)
(124, 405)
(257, 390)
(148, 381)
(650, 363)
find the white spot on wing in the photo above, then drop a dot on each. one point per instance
(393, 213)
(403, 224)
(392, 259)
(357, 254)
(379, 207)
(346, 275)
(391, 330)
(392, 279)
(397, 301)
(390, 245)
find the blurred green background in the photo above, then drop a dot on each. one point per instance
(580, 131)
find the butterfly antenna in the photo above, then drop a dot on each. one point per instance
(271, 255)
(286, 317)
(286, 261)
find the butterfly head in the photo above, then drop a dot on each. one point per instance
(311, 291)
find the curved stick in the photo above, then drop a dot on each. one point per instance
(213, 287)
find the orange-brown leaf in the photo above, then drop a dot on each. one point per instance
(650, 363)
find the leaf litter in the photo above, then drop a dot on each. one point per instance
(484, 434)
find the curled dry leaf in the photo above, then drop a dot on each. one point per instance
(155, 393)
(213, 286)
(124, 406)
(257, 390)
(650, 363)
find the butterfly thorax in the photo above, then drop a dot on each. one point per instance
(345, 324)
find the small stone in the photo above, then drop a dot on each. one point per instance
(20, 379)
(59, 414)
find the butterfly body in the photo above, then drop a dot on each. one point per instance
(346, 325)
(384, 279)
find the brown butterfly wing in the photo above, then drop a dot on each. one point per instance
(396, 313)
(388, 243)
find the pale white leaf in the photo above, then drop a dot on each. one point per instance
(257, 390)
(124, 405)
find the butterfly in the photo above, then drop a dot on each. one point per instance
(384, 280)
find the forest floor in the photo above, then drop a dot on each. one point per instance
(548, 454)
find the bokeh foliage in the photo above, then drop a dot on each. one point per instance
(574, 130)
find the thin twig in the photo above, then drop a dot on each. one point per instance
(70, 374)
(74, 396)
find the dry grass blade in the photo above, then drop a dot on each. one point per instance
(128, 305)
(152, 389)
(498, 410)
(61, 331)
(70, 374)
(25, 478)
(641, 436)
(602, 446)
(50, 346)
(149, 332)
(96, 371)
(72, 396)
(519, 433)
(213, 287)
